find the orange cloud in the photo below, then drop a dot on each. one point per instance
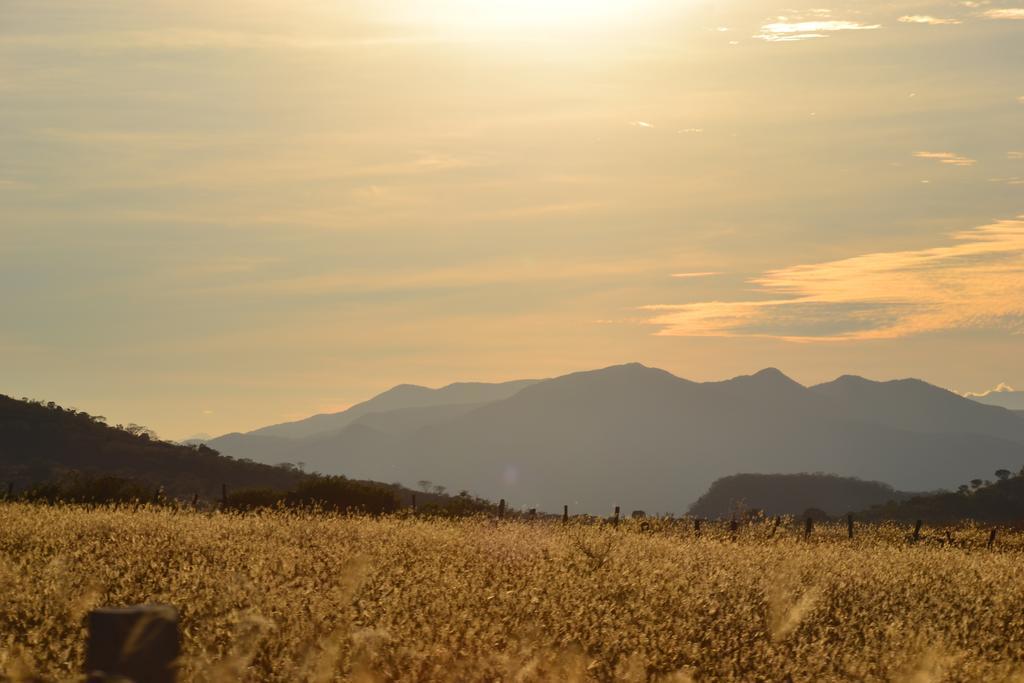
(928, 19)
(949, 158)
(973, 283)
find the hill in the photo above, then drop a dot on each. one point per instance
(792, 494)
(42, 443)
(643, 438)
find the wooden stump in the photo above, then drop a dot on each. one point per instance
(140, 643)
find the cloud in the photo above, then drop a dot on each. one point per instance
(1004, 13)
(684, 276)
(973, 283)
(928, 19)
(641, 124)
(786, 29)
(1001, 388)
(949, 158)
(1016, 156)
(1012, 180)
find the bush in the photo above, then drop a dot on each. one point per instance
(342, 495)
(251, 499)
(85, 488)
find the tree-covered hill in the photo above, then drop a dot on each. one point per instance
(43, 443)
(792, 494)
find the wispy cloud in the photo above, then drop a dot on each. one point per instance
(972, 283)
(1016, 156)
(790, 29)
(641, 124)
(948, 158)
(1001, 388)
(684, 276)
(1004, 13)
(928, 19)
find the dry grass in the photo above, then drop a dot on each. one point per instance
(289, 597)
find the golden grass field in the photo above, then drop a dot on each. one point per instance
(295, 597)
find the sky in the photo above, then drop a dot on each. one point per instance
(220, 215)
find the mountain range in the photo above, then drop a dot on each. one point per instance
(642, 438)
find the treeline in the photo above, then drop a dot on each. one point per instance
(998, 501)
(339, 494)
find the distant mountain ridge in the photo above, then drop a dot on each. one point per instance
(643, 438)
(399, 397)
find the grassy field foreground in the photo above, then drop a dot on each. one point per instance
(292, 597)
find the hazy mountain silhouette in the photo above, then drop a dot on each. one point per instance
(792, 494)
(399, 397)
(642, 438)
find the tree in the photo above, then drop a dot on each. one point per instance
(438, 489)
(963, 488)
(976, 483)
(424, 484)
(1002, 475)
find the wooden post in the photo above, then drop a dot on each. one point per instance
(775, 527)
(615, 519)
(138, 643)
(195, 500)
(991, 539)
(808, 527)
(733, 528)
(565, 514)
(696, 527)
(849, 525)
(414, 503)
(501, 509)
(224, 496)
(10, 490)
(917, 532)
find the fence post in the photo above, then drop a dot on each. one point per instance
(565, 514)
(991, 539)
(414, 503)
(195, 500)
(224, 496)
(696, 527)
(733, 527)
(775, 527)
(501, 509)
(10, 490)
(616, 518)
(808, 527)
(849, 525)
(917, 532)
(139, 643)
